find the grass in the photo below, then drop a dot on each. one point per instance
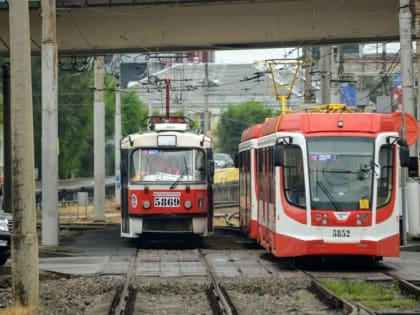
(375, 295)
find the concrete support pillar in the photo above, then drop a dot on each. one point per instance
(417, 60)
(308, 94)
(406, 53)
(335, 69)
(407, 92)
(25, 273)
(50, 224)
(99, 141)
(325, 74)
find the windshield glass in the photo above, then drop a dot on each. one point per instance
(157, 165)
(341, 172)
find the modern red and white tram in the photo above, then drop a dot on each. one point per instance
(248, 210)
(167, 177)
(322, 184)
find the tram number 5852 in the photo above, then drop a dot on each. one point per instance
(340, 233)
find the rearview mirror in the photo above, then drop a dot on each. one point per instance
(413, 167)
(278, 155)
(404, 156)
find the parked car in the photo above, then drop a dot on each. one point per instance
(222, 160)
(5, 230)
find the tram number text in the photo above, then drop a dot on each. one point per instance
(167, 202)
(341, 233)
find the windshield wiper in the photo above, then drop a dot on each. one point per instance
(330, 197)
(336, 170)
(185, 172)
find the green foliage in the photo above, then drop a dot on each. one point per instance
(133, 119)
(75, 120)
(234, 120)
(378, 296)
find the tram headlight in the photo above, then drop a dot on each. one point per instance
(146, 204)
(360, 218)
(325, 219)
(187, 204)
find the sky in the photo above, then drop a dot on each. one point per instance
(252, 55)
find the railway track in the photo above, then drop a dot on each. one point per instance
(126, 301)
(217, 295)
(348, 306)
(122, 303)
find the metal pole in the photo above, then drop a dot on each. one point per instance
(99, 141)
(7, 171)
(25, 273)
(50, 225)
(118, 133)
(408, 94)
(168, 90)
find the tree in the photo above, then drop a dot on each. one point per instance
(234, 120)
(75, 117)
(133, 119)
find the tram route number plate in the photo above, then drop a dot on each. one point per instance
(167, 202)
(341, 233)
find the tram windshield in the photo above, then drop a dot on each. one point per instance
(341, 172)
(171, 165)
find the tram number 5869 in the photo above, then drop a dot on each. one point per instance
(340, 233)
(167, 202)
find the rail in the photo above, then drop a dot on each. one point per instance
(219, 297)
(122, 299)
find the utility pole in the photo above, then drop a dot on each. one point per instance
(117, 127)
(407, 92)
(417, 59)
(206, 98)
(325, 74)
(335, 67)
(50, 224)
(308, 76)
(25, 273)
(150, 70)
(99, 140)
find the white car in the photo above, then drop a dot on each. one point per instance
(222, 160)
(5, 230)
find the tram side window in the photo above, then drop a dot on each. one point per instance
(271, 175)
(293, 178)
(200, 166)
(260, 165)
(135, 166)
(241, 175)
(385, 183)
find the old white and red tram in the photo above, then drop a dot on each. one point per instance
(166, 176)
(322, 184)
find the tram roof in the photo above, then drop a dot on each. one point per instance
(330, 122)
(252, 132)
